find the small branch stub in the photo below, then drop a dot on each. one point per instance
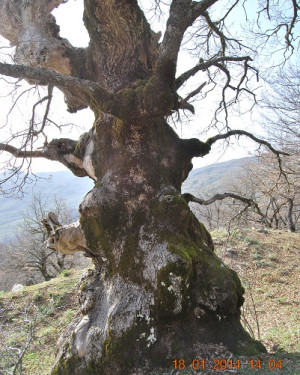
(66, 239)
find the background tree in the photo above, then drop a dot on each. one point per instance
(281, 108)
(275, 192)
(262, 194)
(282, 114)
(27, 259)
(156, 276)
(272, 184)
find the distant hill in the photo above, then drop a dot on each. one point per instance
(213, 177)
(70, 189)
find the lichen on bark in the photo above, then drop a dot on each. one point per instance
(158, 291)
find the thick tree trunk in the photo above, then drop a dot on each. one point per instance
(158, 291)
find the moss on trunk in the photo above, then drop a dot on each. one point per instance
(159, 289)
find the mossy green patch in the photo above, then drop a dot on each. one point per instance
(121, 352)
(248, 346)
(68, 366)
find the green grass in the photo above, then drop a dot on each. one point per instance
(269, 269)
(53, 304)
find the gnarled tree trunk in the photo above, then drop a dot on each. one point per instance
(158, 291)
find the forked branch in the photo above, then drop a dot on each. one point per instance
(183, 13)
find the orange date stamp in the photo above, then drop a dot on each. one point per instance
(221, 364)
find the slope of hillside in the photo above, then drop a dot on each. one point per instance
(41, 310)
(268, 264)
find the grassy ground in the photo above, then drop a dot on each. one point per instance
(267, 263)
(49, 306)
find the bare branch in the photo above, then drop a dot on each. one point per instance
(45, 118)
(45, 76)
(182, 15)
(230, 133)
(213, 26)
(184, 102)
(207, 64)
(249, 202)
(32, 132)
(288, 36)
(21, 153)
(84, 89)
(195, 148)
(218, 197)
(229, 11)
(61, 150)
(284, 22)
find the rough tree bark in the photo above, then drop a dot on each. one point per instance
(291, 222)
(158, 291)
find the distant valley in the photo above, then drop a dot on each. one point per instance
(62, 185)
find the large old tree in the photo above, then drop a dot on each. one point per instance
(158, 291)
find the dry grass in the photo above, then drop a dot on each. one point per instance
(268, 265)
